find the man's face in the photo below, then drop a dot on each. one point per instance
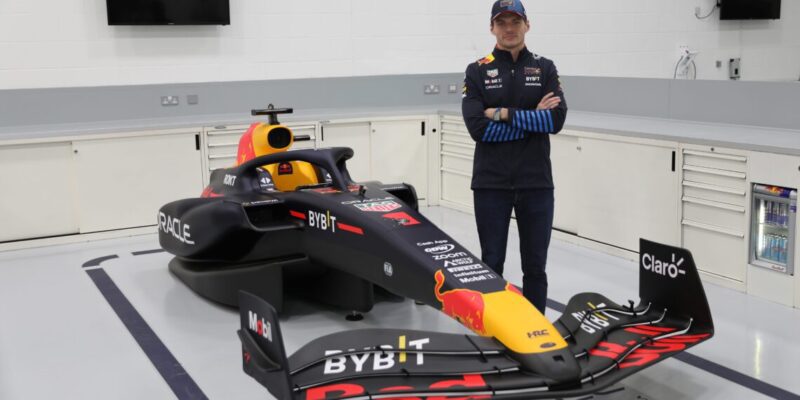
(510, 30)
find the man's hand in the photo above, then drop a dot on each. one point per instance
(489, 113)
(549, 102)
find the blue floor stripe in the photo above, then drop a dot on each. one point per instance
(96, 262)
(170, 369)
(144, 252)
(716, 369)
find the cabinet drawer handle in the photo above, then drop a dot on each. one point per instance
(716, 155)
(454, 172)
(228, 144)
(712, 171)
(714, 188)
(222, 156)
(454, 155)
(456, 144)
(712, 228)
(456, 133)
(713, 204)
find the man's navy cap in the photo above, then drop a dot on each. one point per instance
(508, 6)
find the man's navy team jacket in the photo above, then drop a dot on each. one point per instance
(513, 154)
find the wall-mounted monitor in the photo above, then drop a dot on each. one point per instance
(750, 9)
(168, 12)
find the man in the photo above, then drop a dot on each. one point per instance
(512, 102)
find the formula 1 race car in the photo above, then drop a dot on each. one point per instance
(294, 220)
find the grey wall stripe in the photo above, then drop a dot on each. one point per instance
(716, 369)
(704, 101)
(170, 369)
(22, 107)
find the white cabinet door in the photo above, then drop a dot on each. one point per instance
(564, 155)
(630, 191)
(38, 191)
(399, 154)
(122, 182)
(355, 135)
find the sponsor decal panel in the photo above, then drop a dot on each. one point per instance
(388, 269)
(327, 190)
(297, 214)
(464, 305)
(532, 71)
(495, 83)
(378, 206)
(350, 228)
(209, 193)
(486, 60)
(473, 381)
(380, 360)
(596, 321)
(260, 326)
(449, 255)
(324, 221)
(401, 218)
(175, 227)
(671, 268)
(367, 200)
(651, 351)
(432, 242)
(456, 262)
(229, 180)
(440, 249)
(533, 81)
(492, 73)
(285, 168)
(265, 182)
(261, 202)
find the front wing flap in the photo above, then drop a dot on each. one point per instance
(609, 342)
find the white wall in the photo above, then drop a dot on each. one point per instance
(59, 43)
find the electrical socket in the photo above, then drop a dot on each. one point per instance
(170, 100)
(431, 89)
(452, 88)
(192, 99)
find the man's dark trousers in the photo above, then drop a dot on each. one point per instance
(534, 212)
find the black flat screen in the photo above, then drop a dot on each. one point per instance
(750, 9)
(168, 12)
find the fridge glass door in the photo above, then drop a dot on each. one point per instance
(772, 229)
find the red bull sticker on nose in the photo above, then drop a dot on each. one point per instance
(465, 305)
